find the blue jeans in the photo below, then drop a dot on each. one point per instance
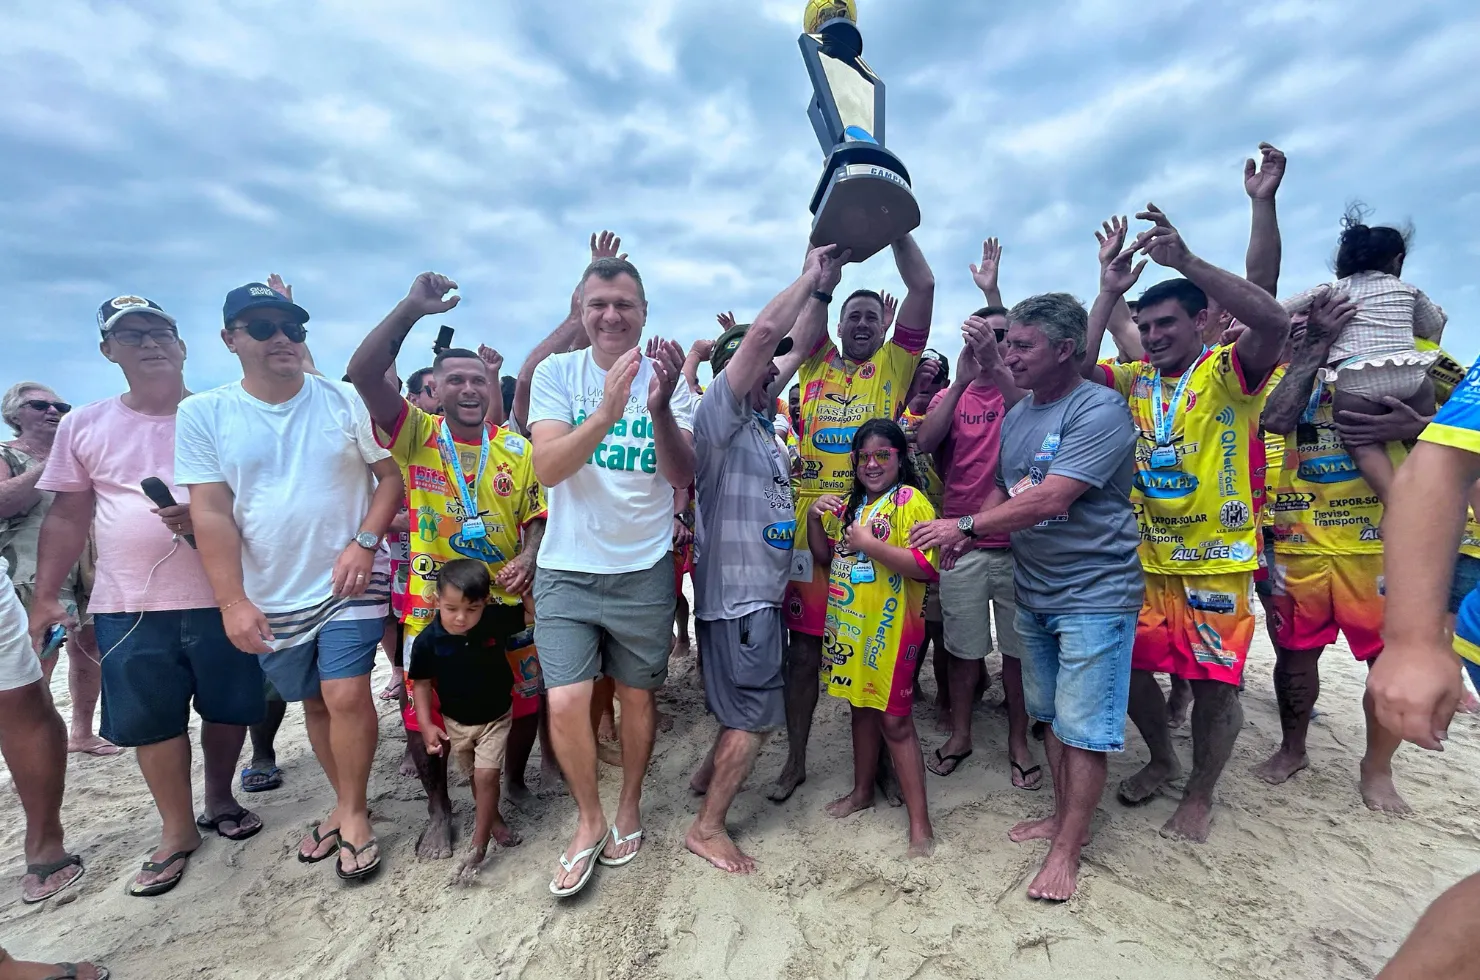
(1077, 675)
(155, 663)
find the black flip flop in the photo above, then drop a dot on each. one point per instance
(955, 761)
(1025, 773)
(214, 823)
(359, 873)
(317, 840)
(69, 972)
(45, 871)
(154, 867)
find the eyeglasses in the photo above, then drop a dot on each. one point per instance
(260, 330)
(41, 405)
(880, 456)
(162, 336)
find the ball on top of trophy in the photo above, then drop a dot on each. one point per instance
(819, 12)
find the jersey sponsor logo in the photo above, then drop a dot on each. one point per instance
(842, 592)
(479, 548)
(879, 528)
(1233, 514)
(1286, 502)
(1165, 484)
(868, 371)
(1228, 480)
(1241, 551)
(1214, 602)
(1210, 552)
(1335, 468)
(1046, 451)
(1370, 534)
(841, 399)
(1226, 416)
(780, 534)
(834, 441)
(1210, 650)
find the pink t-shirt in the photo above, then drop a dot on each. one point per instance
(968, 457)
(109, 448)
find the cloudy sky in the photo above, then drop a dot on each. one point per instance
(178, 148)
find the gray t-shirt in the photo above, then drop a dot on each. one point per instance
(745, 521)
(1085, 560)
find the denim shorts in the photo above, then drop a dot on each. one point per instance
(342, 648)
(1466, 577)
(620, 625)
(155, 663)
(1077, 675)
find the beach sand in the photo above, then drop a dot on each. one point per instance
(1298, 881)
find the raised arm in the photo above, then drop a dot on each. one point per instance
(980, 339)
(936, 427)
(919, 299)
(751, 362)
(1262, 263)
(1259, 347)
(495, 363)
(369, 367)
(701, 350)
(810, 327)
(1118, 273)
(1287, 402)
(985, 275)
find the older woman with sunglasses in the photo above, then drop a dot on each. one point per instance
(33, 412)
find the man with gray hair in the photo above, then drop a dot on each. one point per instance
(613, 438)
(1063, 493)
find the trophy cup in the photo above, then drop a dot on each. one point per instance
(863, 201)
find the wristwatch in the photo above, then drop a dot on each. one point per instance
(967, 526)
(685, 518)
(367, 540)
(821, 297)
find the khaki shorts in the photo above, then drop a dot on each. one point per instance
(981, 581)
(480, 746)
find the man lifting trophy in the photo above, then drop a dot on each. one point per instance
(863, 201)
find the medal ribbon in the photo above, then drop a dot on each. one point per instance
(1162, 422)
(453, 466)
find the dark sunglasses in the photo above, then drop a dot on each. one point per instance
(41, 405)
(162, 336)
(260, 330)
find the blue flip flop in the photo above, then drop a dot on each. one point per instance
(272, 778)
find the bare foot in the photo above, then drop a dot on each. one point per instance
(505, 835)
(408, 766)
(920, 849)
(786, 784)
(92, 745)
(1280, 767)
(719, 850)
(467, 868)
(1193, 821)
(12, 969)
(606, 729)
(1379, 793)
(846, 805)
(1148, 782)
(435, 842)
(518, 792)
(1058, 879)
(1045, 829)
(610, 753)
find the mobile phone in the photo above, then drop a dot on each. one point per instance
(444, 340)
(54, 639)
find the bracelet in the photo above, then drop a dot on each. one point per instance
(821, 297)
(233, 602)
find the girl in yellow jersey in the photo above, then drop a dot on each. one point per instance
(875, 615)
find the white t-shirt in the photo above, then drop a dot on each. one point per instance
(616, 513)
(300, 472)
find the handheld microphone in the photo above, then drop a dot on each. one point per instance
(156, 491)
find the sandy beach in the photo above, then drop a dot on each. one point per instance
(1298, 881)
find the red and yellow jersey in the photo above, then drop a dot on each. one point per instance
(1321, 504)
(1200, 515)
(935, 488)
(838, 396)
(874, 626)
(509, 497)
(1274, 452)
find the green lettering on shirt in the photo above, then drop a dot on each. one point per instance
(650, 459)
(617, 459)
(620, 429)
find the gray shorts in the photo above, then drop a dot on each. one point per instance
(620, 625)
(742, 669)
(981, 581)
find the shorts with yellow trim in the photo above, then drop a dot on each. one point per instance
(1197, 627)
(805, 605)
(1317, 596)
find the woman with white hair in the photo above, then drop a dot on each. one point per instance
(33, 411)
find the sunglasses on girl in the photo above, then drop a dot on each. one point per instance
(880, 456)
(41, 405)
(261, 330)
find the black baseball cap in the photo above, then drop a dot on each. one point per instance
(254, 295)
(729, 342)
(119, 307)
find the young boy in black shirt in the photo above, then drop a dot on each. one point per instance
(462, 652)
